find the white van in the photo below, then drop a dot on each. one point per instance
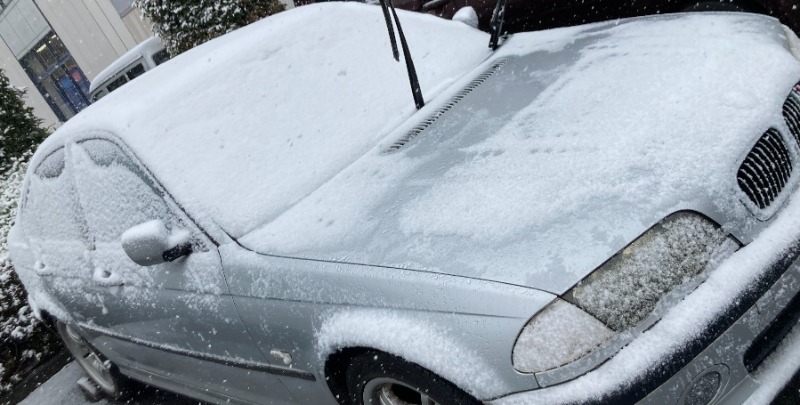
(145, 56)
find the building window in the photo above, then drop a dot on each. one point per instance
(57, 76)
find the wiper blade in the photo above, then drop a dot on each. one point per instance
(416, 90)
(390, 27)
(498, 18)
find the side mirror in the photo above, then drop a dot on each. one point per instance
(152, 243)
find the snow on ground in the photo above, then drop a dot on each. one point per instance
(62, 390)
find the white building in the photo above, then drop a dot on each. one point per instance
(55, 48)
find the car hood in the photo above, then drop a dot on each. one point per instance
(563, 148)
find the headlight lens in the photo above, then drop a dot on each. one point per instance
(626, 289)
(556, 336)
(622, 292)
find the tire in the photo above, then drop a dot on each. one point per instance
(376, 378)
(98, 368)
(722, 5)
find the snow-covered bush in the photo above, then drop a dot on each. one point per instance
(20, 130)
(23, 339)
(183, 25)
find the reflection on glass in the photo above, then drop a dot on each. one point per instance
(45, 54)
(77, 75)
(55, 73)
(69, 90)
(54, 98)
(33, 67)
(57, 47)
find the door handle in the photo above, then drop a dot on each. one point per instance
(105, 278)
(42, 269)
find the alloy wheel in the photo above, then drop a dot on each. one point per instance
(388, 391)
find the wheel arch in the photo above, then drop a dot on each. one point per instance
(414, 338)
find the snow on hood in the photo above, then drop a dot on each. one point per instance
(580, 142)
(244, 126)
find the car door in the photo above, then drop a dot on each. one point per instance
(175, 318)
(50, 218)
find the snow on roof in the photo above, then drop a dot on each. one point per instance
(146, 47)
(247, 125)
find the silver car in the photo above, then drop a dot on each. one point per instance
(598, 214)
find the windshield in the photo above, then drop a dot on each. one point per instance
(298, 108)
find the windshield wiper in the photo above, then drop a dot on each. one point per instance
(416, 90)
(498, 18)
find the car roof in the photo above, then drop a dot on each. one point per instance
(247, 125)
(146, 47)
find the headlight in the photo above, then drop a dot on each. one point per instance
(623, 292)
(794, 42)
(556, 336)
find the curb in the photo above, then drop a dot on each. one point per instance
(36, 378)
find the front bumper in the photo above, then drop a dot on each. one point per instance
(728, 326)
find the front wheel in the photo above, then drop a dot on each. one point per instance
(99, 369)
(376, 378)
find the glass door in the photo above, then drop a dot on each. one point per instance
(57, 77)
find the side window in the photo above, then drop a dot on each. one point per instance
(117, 83)
(116, 194)
(100, 94)
(135, 71)
(50, 211)
(160, 57)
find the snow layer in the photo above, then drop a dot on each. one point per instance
(245, 126)
(584, 139)
(580, 142)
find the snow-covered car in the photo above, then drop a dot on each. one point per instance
(597, 214)
(143, 57)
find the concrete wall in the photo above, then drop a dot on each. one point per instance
(22, 26)
(91, 30)
(17, 76)
(137, 25)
